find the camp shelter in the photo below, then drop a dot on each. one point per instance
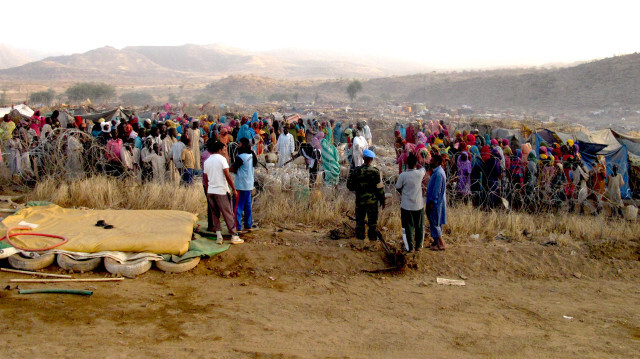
(618, 157)
(22, 109)
(633, 147)
(592, 144)
(632, 143)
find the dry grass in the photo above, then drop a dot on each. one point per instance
(328, 208)
(106, 192)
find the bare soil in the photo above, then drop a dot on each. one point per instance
(296, 293)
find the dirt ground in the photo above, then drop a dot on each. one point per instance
(289, 294)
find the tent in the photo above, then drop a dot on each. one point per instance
(618, 157)
(23, 109)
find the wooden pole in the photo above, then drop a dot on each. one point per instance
(66, 280)
(34, 273)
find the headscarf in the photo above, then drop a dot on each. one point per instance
(317, 140)
(475, 155)
(403, 131)
(471, 140)
(485, 153)
(254, 118)
(422, 138)
(244, 132)
(463, 163)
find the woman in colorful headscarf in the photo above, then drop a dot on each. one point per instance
(531, 176)
(244, 133)
(476, 176)
(317, 139)
(403, 131)
(492, 172)
(411, 138)
(471, 140)
(464, 175)
(422, 138)
(337, 134)
(516, 170)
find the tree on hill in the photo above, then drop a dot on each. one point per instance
(42, 97)
(90, 90)
(354, 87)
(136, 98)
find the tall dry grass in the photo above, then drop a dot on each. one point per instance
(328, 208)
(103, 192)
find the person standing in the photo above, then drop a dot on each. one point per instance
(367, 133)
(437, 203)
(359, 145)
(175, 153)
(194, 142)
(614, 183)
(366, 183)
(409, 185)
(217, 182)
(285, 146)
(188, 161)
(243, 166)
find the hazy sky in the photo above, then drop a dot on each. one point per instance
(444, 33)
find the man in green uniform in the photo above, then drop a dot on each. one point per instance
(365, 181)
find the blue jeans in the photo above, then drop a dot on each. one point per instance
(244, 208)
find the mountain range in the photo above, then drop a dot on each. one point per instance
(223, 73)
(154, 64)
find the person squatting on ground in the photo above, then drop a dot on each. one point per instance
(366, 183)
(218, 180)
(437, 203)
(409, 185)
(243, 166)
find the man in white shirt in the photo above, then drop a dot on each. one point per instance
(217, 181)
(359, 145)
(285, 146)
(367, 133)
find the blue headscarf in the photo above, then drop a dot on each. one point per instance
(254, 118)
(223, 119)
(403, 131)
(244, 132)
(475, 155)
(337, 132)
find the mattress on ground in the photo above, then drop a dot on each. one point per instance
(155, 231)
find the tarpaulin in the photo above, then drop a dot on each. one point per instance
(618, 157)
(632, 143)
(589, 147)
(155, 231)
(107, 116)
(199, 247)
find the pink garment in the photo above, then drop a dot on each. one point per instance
(113, 150)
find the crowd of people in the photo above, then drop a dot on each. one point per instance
(489, 172)
(494, 172)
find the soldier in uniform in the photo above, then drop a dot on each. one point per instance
(365, 181)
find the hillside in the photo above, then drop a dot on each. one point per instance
(11, 57)
(153, 64)
(222, 73)
(609, 82)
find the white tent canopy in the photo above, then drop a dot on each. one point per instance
(22, 108)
